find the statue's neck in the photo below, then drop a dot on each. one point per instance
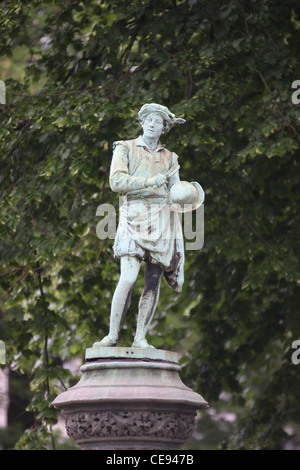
(152, 143)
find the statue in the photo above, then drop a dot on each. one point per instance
(144, 171)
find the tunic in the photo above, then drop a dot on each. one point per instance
(148, 229)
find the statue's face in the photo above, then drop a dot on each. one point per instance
(153, 126)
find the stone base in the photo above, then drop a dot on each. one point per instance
(130, 398)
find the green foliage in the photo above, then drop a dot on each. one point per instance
(226, 68)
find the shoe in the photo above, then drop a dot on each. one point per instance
(106, 342)
(141, 343)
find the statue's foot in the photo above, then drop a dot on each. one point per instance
(141, 343)
(107, 341)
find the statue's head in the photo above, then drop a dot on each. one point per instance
(168, 119)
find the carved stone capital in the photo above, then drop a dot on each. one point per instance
(148, 428)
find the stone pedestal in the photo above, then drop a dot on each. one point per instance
(130, 398)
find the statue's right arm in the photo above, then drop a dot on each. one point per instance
(120, 180)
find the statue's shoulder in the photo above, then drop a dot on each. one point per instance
(125, 143)
(168, 152)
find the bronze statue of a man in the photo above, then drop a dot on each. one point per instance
(143, 171)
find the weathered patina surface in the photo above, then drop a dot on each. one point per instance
(144, 171)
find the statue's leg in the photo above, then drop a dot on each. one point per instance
(130, 267)
(147, 304)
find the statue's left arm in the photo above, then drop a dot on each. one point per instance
(175, 178)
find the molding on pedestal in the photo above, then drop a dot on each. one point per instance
(130, 398)
(98, 352)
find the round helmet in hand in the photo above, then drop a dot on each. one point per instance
(185, 196)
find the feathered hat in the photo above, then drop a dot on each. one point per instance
(170, 119)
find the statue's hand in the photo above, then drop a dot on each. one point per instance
(157, 181)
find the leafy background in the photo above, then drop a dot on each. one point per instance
(76, 73)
